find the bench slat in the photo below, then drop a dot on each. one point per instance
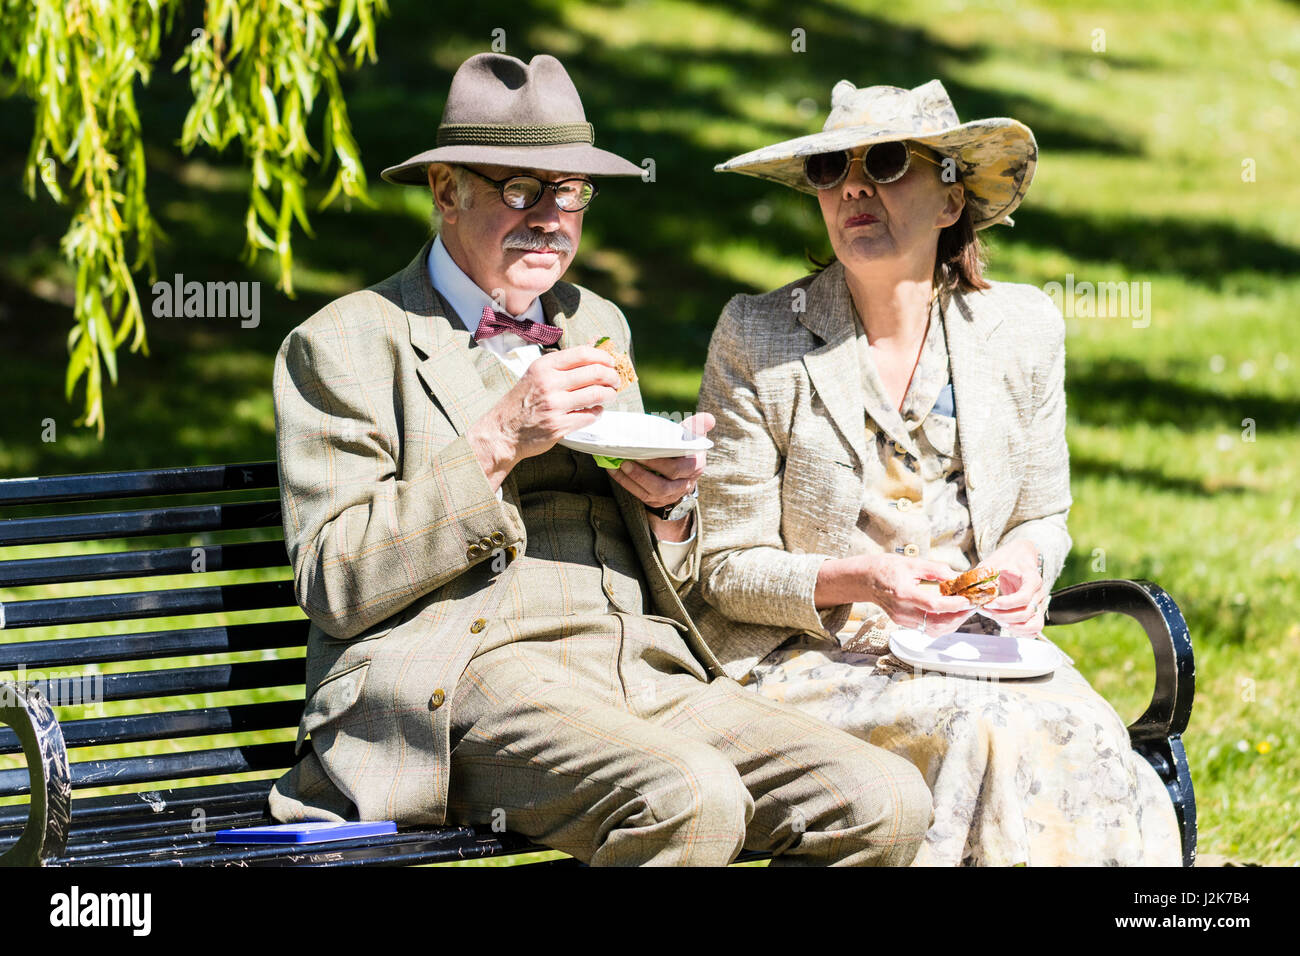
(130, 564)
(178, 766)
(106, 811)
(109, 848)
(171, 602)
(238, 515)
(83, 690)
(142, 833)
(145, 645)
(92, 839)
(99, 731)
(401, 848)
(190, 479)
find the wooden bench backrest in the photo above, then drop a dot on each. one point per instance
(78, 602)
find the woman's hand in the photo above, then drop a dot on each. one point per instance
(893, 583)
(1021, 605)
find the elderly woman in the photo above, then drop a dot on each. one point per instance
(890, 421)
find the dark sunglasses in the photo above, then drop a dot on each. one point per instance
(882, 163)
(523, 192)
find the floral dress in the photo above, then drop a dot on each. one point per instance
(1033, 771)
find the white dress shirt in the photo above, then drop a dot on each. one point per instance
(468, 300)
(516, 353)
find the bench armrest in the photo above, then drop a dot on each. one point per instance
(1155, 610)
(32, 718)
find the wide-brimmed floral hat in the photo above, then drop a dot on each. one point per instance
(995, 157)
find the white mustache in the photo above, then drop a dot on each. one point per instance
(534, 240)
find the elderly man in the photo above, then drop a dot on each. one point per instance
(497, 633)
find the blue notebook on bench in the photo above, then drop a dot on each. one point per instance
(316, 832)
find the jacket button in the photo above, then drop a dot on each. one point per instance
(485, 544)
(439, 697)
(904, 504)
(911, 550)
(477, 626)
(473, 551)
(498, 538)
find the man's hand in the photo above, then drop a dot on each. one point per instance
(663, 481)
(560, 393)
(893, 582)
(1021, 607)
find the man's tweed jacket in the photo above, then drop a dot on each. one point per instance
(396, 538)
(783, 487)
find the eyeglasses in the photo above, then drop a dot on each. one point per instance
(523, 192)
(882, 163)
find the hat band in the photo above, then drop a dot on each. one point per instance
(489, 134)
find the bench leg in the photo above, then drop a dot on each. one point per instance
(32, 718)
(1167, 756)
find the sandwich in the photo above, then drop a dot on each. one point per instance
(622, 364)
(979, 585)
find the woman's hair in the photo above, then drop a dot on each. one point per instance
(959, 258)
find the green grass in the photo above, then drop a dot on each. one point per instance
(1140, 179)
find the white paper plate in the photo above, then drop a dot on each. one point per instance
(635, 436)
(976, 655)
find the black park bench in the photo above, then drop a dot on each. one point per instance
(130, 707)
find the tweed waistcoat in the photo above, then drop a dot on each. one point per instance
(580, 558)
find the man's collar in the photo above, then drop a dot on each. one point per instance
(466, 299)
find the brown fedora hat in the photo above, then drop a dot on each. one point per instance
(503, 111)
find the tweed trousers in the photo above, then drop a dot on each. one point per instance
(587, 724)
(601, 738)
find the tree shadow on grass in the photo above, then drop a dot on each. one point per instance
(1123, 391)
(1147, 479)
(1207, 253)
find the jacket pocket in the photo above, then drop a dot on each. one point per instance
(333, 697)
(376, 630)
(666, 620)
(700, 654)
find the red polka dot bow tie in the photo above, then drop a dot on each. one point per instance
(494, 323)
